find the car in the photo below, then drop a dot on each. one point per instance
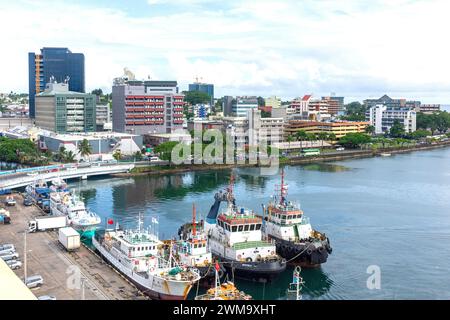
(10, 201)
(47, 297)
(34, 281)
(7, 246)
(6, 252)
(340, 149)
(9, 256)
(14, 264)
(27, 202)
(154, 159)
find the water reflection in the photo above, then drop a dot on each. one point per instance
(325, 167)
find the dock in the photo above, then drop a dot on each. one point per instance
(77, 275)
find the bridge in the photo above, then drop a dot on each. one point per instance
(22, 177)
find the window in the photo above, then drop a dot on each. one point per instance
(246, 227)
(258, 226)
(240, 228)
(233, 228)
(252, 227)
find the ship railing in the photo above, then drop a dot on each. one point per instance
(251, 244)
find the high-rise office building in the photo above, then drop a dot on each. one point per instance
(205, 88)
(59, 63)
(242, 105)
(63, 111)
(142, 107)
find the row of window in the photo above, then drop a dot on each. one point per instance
(144, 248)
(240, 228)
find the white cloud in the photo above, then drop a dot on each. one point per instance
(251, 47)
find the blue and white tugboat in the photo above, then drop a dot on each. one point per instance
(235, 239)
(296, 240)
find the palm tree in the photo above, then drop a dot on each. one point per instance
(84, 148)
(117, 154)
(322, 136)
(62, 154)
(70, 156)
(370, 130)
(289, 138)
(301, 135)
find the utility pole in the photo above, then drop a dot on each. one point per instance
(25, 256)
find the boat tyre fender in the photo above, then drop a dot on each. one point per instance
(321, 249)
(248, 259)
(309, 251)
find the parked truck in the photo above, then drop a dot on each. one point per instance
(47, 223)
(69, 238)
(4, 216)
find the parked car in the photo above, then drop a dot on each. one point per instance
(6, 252)
(154, 159)
(10, 201)
(34, 281)
(47, 297)
(340, 149)
(14, 264)
(10, 256)
(7, 246)
(27, 202)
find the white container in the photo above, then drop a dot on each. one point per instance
(69, 238)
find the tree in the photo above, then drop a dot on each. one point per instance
(164, 150)
(419, 134)
(62, 154)
(196, 97)
(322, 136)
(265, 114)
(289, 138)
(98, 92)
(370, 129)
(70, 156)
(354, 111)
(301, 135)
(138, 156)
(354, 140)
(261, 102)
(84, 148)
(397, 130)
(117, 154)
(331, 136)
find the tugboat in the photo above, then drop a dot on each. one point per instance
(192, 250)
(224, 291)
(235, 238)
(295, 239)
(64, 203)
(135, 253)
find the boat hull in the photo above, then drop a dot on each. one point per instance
(305, 254)
(153, 286)
(264, 271)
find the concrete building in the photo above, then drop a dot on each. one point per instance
(154, 139)
(382, 117)
(64, 111)
(201, 111)
(141, 107)
(227, 106)
(102, 143)
(338, 128)
(103, 116)
(335, 104)
(273, 102)
(207, 88)
(205, 124)
(268, 129)
(242, 105)
(391, 103)
(59, 63)
(300, 105)
(428, 108)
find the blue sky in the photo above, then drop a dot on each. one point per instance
(353, 48)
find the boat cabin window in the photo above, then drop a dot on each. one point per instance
(258, 226)
(252, 227)
(227, 226)
(246, 227)
(233, 228)
(240, 228)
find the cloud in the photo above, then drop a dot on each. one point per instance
(244, 47)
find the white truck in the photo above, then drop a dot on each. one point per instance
(47, 223)
(69, 238)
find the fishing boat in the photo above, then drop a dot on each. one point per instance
(295, 287)
(192, 250)
(65, 203)
(296, 240)
(235, 238)
(224, 291)
(136, 254)
(39, 193)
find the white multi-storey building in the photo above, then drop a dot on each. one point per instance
(241, 105)
(382, 117)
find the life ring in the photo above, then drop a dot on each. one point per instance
(309, 251)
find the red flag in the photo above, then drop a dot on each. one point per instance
(110, 221)
(217, 266)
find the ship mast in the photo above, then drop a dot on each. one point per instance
(283, 189)
(193, 220)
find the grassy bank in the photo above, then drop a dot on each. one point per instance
(353, 154)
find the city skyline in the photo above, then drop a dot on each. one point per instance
(357, 49)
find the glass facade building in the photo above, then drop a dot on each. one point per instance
(59, 63)
(203, 87)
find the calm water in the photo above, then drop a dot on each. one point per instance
(392, 212)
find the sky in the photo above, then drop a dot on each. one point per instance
(352, 48)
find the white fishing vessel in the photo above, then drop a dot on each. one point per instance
(64, 203)
(235, 239)
(136, 254)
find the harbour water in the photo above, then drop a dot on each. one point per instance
(388, 212)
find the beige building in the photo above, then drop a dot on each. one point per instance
(273, 101)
